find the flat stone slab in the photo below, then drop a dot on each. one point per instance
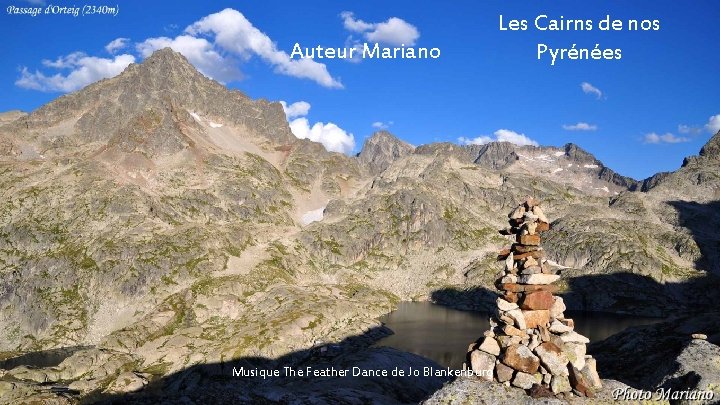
(538, 279)
(518, 288)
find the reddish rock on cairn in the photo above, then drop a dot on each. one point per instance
(530, 343)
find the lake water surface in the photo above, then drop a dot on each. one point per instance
(444, 334)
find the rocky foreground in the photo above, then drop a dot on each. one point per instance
(470, 391)
(661, 364)
(155, 223)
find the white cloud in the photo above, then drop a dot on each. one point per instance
(334, 138)
(664, 138)
(116, 44)
(713, 125)
(84, 70)
(394, 31)
(687, 129)
(588, 88)
(296, 109)
(232, 32)
(215, 45)
(199, 51)
(501, 135)
(331, 136)
(354, 25)
(382, 125)
(480, 140)
(506, 135)
(580, 126)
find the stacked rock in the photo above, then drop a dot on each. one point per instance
(530, 343)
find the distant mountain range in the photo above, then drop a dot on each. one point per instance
(167, 221)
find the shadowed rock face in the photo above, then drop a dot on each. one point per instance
(157, 217)
(497, 155)
(381, 150)
(680, 354)
(711, 150)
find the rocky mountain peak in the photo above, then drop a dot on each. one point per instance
(166, 70)
(164, 90)
(580, 155)
(381, 149)
(168, 57)
(712, 148)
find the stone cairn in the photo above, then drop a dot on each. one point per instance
(530, 344)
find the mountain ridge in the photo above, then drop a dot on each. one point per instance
(169, 230)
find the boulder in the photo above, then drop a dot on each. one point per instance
(530, 217)
(529, 262)
(553, 359)
(482, 364)
(521, 358)
(535, 318)
(513, 331)
(518, 288)
(580, 383)
(538, 279)
(511, 297)
(533, 240)
(518, 212)
(506, 341)
(575, 352)
(559, 327)
(504, 373)
(510, 262)
(574, 337)
(524, 380)
(560, 383)
(590, 372)
(505, 305)
(567, 322)
(537, 300)
(558, 308)
(530, 227)
(507, 320)
(540, 214)
(490, 346)
(517, 316)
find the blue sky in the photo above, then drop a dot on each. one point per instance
(655, 106)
